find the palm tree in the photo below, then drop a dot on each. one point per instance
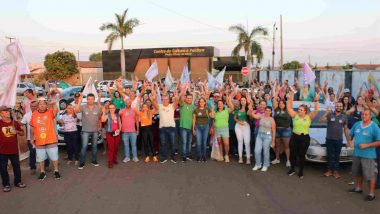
(247, 42)
(119, 30)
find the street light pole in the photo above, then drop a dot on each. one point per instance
(10, 38)
(274, 39)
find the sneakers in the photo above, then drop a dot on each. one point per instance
(328, 173)
(300, 174)
(288, 164)
(135, 160)
(7, 188)
(264, 169)
(163, 161)
(204, 160)
(370, 198)
(291, 172)
(354, 190)
(81, 166)
(183, 160)
(227, 159)
(240, 160)
(57, 176)
(199, 160)
(256, 168)
(248, 161)
(147, 159)
(42, 176)
(126, 160)
(20, 185)
(275, 161)
(189, 158)
(155, 159)
(69, 162)
(76, 163)
(173, 160)
(95, 163)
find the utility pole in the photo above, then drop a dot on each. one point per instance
(274, 39)
(10, 38)
(282, 48)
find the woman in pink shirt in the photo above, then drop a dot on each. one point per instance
(112, 128)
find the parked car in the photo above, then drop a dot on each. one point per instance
(317, 149)
(61, 132)
(22, 86)
(68, 93)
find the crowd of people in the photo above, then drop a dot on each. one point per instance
(221, 120)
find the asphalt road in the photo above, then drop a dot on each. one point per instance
(190, 187)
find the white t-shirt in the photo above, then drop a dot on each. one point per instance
(330, 104)
(25, 120)
(166, 115)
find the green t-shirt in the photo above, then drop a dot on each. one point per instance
(186, 116)
(221, 119)
(119, 103)
(241, 116)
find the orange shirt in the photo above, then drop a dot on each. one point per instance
(43, 127)
(146, 120)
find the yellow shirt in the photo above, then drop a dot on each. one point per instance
(301, 125)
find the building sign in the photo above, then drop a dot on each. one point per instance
(206, 51)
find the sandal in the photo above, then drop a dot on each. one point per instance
(20, 185)
(7, 188)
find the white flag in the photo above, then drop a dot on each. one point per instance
(185, 76)
(169, 79)
(90, 88)
(211, 81)
(220, 77)
(16, 56)
(308, 74)
(152, 71)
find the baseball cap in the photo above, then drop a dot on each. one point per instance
(4, 108)
(346, 90)
(77, 94)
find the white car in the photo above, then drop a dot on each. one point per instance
(317, 149)
(60, 131)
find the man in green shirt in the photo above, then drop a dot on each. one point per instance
(186, 125)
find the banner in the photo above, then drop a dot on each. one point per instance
(308, 74)
(220, 77)
(90, 88)
(152, 72)
(372, 83)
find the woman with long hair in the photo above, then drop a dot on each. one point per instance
(356, 111)
(300, 139)
(243, 130)
(112, 127)
(283, 130)
(71, 136)
(201, 117)
(146, 118)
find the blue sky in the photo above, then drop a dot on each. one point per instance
(333, 32)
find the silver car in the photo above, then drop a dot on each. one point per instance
(317, 150)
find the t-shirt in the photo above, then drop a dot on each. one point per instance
(282, 118)
(241, 116)
(8, 137)
(26, 104)
(186, 116)
(301, 125)
(166, 114)
(90, 118)
(258, 111)
(335, 125)
(25, 120)
(119, 103)
(44, 127)
(221, 119)
(146, 119)
(128, 120)
(364, 135)
(201, 117)
(69, 123)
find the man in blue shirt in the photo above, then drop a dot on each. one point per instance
(366, 136)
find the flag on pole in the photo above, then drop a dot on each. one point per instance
(185, 76)
(169, 81)
(308, 74)
(90, 88)
(372, 82)
(211, 81)
(152, 72)
(220, 77)
(11, 67)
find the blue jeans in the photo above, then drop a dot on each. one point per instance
(202, 134)
(378, 166)
(333, 148)
(263, 142)
(167, 135)
(94, 141)
(186, 138)
(130, 137)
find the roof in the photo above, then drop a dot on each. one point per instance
(90, 64)
(330, 67)
(366, 66)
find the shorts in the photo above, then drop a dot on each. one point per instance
(222, 132)
(44, 153)
(283, 132)
(365, 167)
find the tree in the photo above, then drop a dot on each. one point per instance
(293, 65)
(60, 65)
(119, 30)
(95, 57)
(347, 66)
(247, 42)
